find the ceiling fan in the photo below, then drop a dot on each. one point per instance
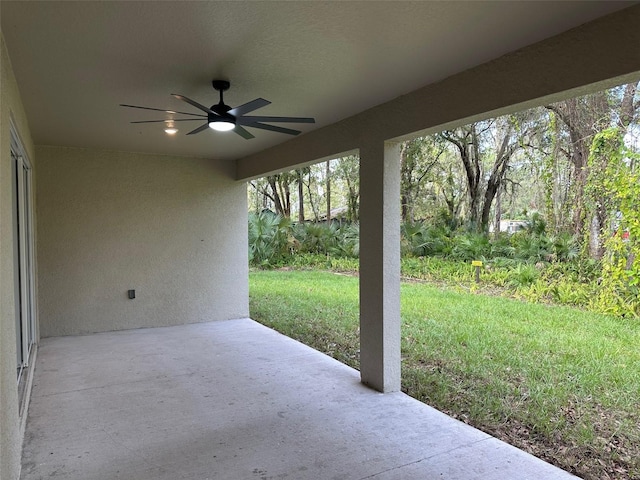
(223, 118)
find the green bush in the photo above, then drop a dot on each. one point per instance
(528, 264)
(523, 275)
(421, 240)
(270, 238)
(531, 247)
(315, 237)
(565, 247)
(471, 246)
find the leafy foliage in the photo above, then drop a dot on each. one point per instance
(270, 238)
(528, 264)
(563, 160)
(620, 287)
(419, 239)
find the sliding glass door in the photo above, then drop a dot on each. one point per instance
(23, 249)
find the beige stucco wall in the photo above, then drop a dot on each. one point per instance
(11, 424)
(174, 229)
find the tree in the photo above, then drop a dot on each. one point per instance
(466, 141)
(620, 185)
(328, 195)
(274, 192)
(556, 173)
(417, 158)
(486, 150)
(450, 187)
(583, 118)
(300, 183)
(348, 171)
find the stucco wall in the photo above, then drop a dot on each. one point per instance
(10, 421)
(174, 229)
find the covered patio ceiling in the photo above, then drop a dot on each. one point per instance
(76, 62)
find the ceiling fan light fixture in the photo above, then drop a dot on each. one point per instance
(170, 128)
(222, 124)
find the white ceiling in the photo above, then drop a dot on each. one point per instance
(75, 62)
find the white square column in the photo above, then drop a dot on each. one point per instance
(380, 266)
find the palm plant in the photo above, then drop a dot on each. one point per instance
(270, 238)
(501, 246)
(423, 240)
(348, 242)
(565, 247)
(471, 246)
(523, 275)
(316, 238)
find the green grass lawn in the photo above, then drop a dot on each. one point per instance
(561, 383)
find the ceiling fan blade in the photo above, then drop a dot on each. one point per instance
(273, 128)
(248, 120)
(165, 111)
(243, 132)
(170, 120)
(195, 104)
(249, 107)
(199, 129)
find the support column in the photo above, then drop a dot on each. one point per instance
(380, 266)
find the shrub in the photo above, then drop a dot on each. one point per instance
(315, 237)
(565, 247)
(270, 238)
(471, 246)
(531, 247)
(420, 240)
(524, 275)
(348, 242)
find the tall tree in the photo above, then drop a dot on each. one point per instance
(417, 158)
(583, 118)
(328, 190)
(300, 183)
(313, 200)
(448, 188)
(277, 190)
(348, 170)
(486, 149)
(467, 142)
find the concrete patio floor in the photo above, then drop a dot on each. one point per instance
(236, 400)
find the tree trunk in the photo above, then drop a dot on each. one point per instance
(406, 167)
(583, 117)
(627, 107)
(275, 196)
(300, 196)
(314, 207)
(404, 200)
(328, 179)
(507, 147)
(594, 238)
(465, 140)
(352, 201)
(498, 217)
(287, 199)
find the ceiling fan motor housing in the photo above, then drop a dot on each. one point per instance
(221, 109)
(220, 85)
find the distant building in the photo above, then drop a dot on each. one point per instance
(511, 226)
(336, 213)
